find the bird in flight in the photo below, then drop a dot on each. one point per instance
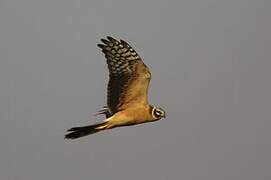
(127, 91)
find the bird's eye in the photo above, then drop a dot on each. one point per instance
(157, 112)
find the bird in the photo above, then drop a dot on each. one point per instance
(127, 91)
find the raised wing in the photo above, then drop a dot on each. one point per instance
(128, 76)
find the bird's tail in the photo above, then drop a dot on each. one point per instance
(77, 132)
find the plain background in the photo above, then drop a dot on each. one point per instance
(211, 66)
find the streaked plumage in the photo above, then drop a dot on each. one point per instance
(127, 91)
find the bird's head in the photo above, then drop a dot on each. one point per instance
(158, 113)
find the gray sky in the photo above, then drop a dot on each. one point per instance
(211, 67)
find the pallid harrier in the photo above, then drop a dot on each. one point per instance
(127, 91)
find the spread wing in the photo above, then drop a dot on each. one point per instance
(128, 76)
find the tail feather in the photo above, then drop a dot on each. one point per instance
(77, 132)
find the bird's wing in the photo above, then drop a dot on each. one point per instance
(129, 77)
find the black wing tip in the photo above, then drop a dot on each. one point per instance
(111, 38)
(124, 43)
(101, 45)
(105, 41)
